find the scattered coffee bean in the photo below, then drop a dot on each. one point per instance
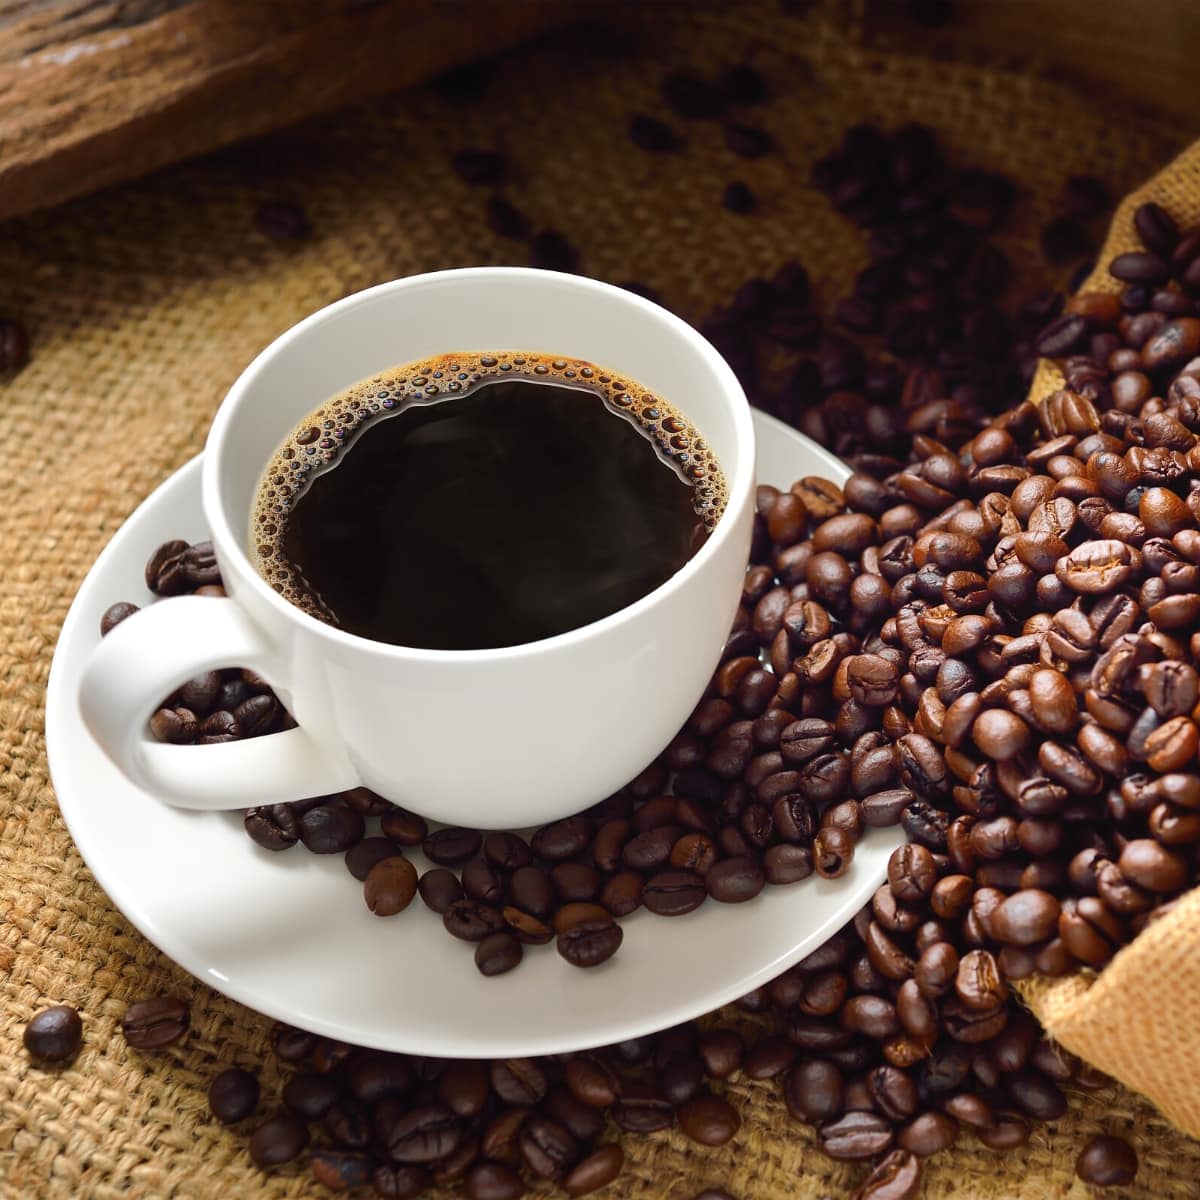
(1107, 1161)
(155, 1022)
(54, 1034)
(282, 220)
(233, 1095)
(14, 345)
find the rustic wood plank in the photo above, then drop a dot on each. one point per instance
(96, 91)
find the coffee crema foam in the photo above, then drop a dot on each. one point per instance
(317, 442)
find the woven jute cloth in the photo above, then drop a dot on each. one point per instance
(143, 305)
(1138, 1019)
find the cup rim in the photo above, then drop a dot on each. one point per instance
(739, 475)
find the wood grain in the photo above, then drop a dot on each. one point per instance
(96, 91)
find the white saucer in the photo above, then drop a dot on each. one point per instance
(289, 935)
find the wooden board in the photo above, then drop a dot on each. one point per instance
(96, 91)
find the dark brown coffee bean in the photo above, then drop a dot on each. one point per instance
(390, 886)
(279, 1139)
(178, 726)
(362, 856)
(426, 1134)
(653, 136)
(233, 1095)
(497, 953)
(641, 1112)
(399, 1183)
(175, 568)
(893, 1092)
(673, 893)
(439, 889)
(1107, 1161)
(155, 1022)
(532, 891)
(598, 1170)
(768, 1057)
(814, 1090)
(897, 1177)
(589, 943)
(855, 1135)
(14, 345)
(519, 1081)
(330, 828)
(734, 880)
(833, 852)
(911, 873)
(373, 1076)
(54, 1033)
(708, 1119)
(1026, 917)
(403, 827)
(1150, 865)
(472, 921)
(493, 1181)
(114, 615)
(507, 851)
(928, 1133)
(451, 846)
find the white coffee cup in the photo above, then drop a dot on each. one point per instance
(487, 738)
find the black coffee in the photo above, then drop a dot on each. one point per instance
(481, 500)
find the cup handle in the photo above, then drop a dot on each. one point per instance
(150, 654)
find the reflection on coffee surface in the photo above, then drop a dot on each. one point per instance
(478, 500)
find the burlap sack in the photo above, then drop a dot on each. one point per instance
(1139, 1019)
(144, 303)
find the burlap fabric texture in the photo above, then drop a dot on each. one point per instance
(145, 302)
(1138, 1019)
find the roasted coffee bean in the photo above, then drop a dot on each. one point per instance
(233, 1095)
(855, 1135)
(54, 1034)
(734, 880)
(896, 1177)
(708, 1119)
(928, 1133)
(911, 873)
(591, 942)
(330, 828)
(598, 1170)
(373, 1076)
(547, 1147)
(814, 1090)
(1026, 917)
(14, 345)
(279, 1139)
(421, 1135)
(493, 1181)
(497, 953)
(451, 846)
(399, 1182)
(176, 567)
(519, 1081)
(155, 1022)
(439, 889)
(404, 828)
(472, 921)
(652, 135)
(1107, 1161)
(390, 886)
(673, 893)
(642, 1113)
(833, 852)
(531, 890)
